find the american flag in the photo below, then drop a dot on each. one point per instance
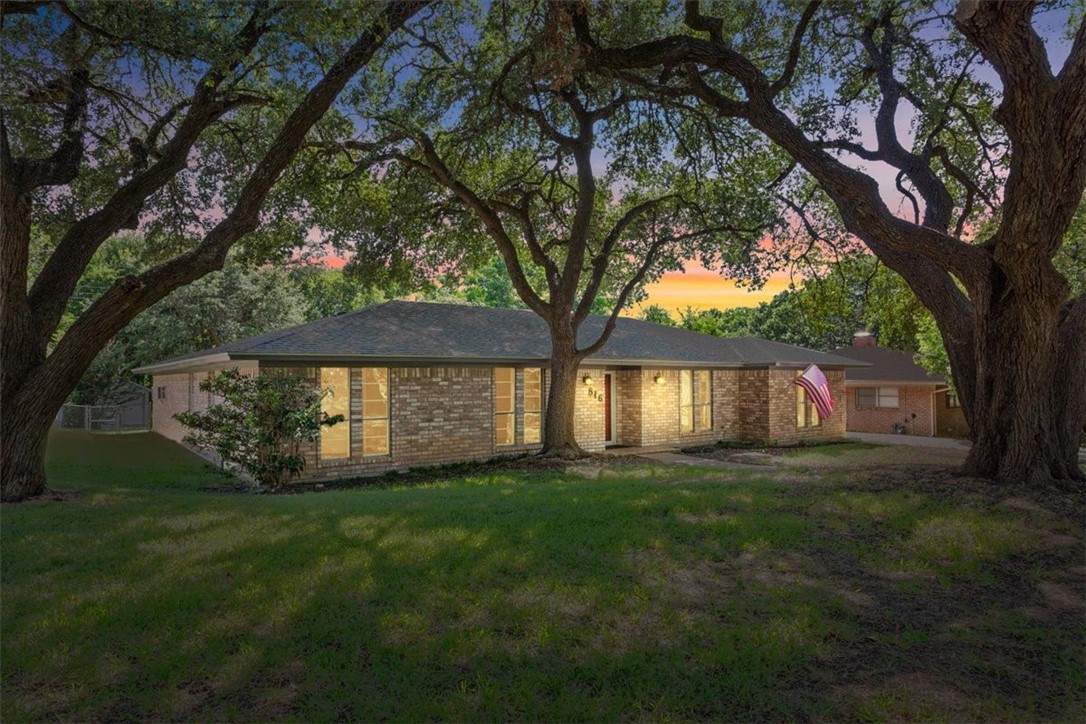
(818, 390)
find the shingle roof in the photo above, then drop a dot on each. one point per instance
(429, 332)
(886, 365)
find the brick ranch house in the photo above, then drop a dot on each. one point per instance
(894, 394)
(423, 384)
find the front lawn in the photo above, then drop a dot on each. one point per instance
(812, 591)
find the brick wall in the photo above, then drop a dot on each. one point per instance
(436, 415)
(912, 400)
(783, 427)
(753, 394)
(629, 384)
(446, 414)
(588, 413)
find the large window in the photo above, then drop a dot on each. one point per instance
(695, 400)
(374, 411)
(533, 405)
(686, 401)
(806, 412)
(704, 399)
(876, 397)
(336, 439)
(505, 410)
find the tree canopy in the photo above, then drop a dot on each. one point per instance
(178, 119)
(995, 131)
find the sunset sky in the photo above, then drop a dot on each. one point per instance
(701, 288)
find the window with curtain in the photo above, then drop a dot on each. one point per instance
(336, 439)
(533, 405)
(375, 412)
(505, 410)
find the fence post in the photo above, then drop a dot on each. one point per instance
(86, 418)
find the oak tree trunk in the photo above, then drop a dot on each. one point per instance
(1029, 404)
(23, 436)
(559, 437)
(29, 407)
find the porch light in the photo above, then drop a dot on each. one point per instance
(659, 379)
(587, 379)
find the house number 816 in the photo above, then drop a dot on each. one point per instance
(597, 395)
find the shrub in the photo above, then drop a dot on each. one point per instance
(260, 423)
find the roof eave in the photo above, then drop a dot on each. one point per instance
(208, 360)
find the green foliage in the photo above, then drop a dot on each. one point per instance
(222, 307)
(658, 315)
(1070, 260)
(260, 423)
(491, 93)
(931, 353)
(782, 319)
(856, 293)
(327, 292)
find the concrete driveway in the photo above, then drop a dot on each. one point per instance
(946, 443)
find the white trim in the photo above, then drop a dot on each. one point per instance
(193, 364)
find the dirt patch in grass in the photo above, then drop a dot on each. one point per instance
(443, 473)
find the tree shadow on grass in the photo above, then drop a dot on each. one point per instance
(505, 599)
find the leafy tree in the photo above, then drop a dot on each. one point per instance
(804, 74)
(931, 352)
(260, 424)
(222, 307)
(856, 293)
(105, 108)
(490, 285)
(657, 315)
(327, 292)
(578, 186)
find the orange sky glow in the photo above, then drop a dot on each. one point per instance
(696, 287)
(700, 289)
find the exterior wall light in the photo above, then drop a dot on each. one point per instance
(587, 379)
(659, 379)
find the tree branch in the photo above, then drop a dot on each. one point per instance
(54, 285)
(602, 259)
(131, 295)
(795, 47)
(492, 222)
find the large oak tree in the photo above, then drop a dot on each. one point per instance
(579, 186)
(178, 119)
(960, 149)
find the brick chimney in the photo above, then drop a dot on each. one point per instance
(864, 339)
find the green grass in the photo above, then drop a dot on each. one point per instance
(648, 594)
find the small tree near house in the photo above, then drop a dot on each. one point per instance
(261, 423)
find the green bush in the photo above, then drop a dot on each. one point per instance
(261, 423)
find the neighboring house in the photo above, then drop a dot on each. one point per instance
(896, 395)
(423, 384)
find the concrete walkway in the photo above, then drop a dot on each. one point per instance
(946, 443)
(671, 458)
